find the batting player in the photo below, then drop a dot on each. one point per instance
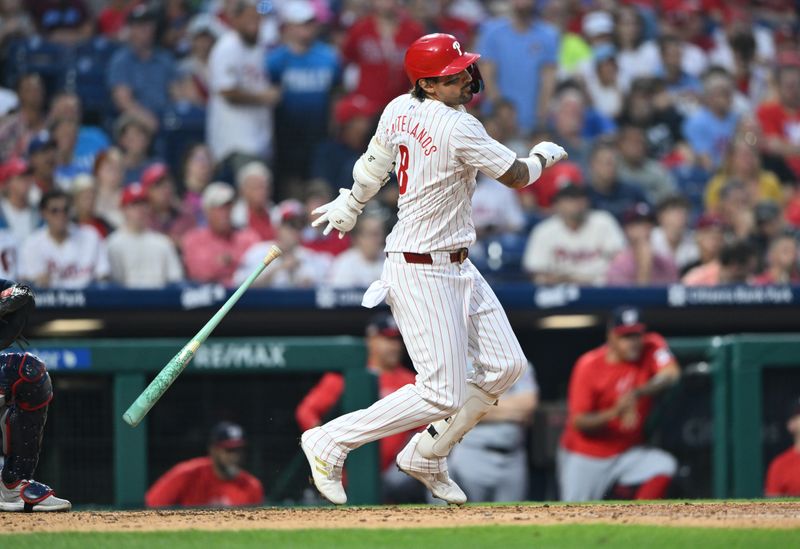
(610, 397)
(444, 308)
(25, 393)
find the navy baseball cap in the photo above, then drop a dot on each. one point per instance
(226, 434)
(626, 321)
(638, 213)
(384, 325)
(42, 140)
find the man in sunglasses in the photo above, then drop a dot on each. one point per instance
(610, 395)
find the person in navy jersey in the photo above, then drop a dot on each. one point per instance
(140, 73)
(606, 191)
(307, 70)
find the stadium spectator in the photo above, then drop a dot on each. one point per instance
(536, 199)
(384, 360)
(65, 135)
(637, 169)
(782, 261)
(241, 96)
(254, 206)
(65, 22)
(712, 127)
(308, 71)
(736, 265)
(491, 462)
(84, 204)
(313, 238)
(89, 141)
(197, 172)
(62, 254)
(780, 119)
(173, 19)
(109, 173)
(610, 397)
(681, 85)
(212, 253)
(15, 21)
(216, 480)
(639, 264)
(42, 160)
(166, 215)
(375, 44)
(133, 137)
(738, 27)
(439, 16)
(768, 224)
(672, 236)
(17, 212)
(298, 266)
(649, 106)
(362, 264)
(575, 245)
(140, 72)
(202, 33)
(111, 19)
(527, 80)
(737, 53)
(783, 475)
(573, 49)
(503, 125)
(18, 128)
(567, 120)
(333, 159)
(743, 164)
(629, 38)
(140, 257)
(736, 210)
(603, 82)
(606, 189)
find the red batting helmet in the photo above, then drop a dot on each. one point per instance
(437, 55)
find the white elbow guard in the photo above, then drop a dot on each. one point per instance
(371, 171)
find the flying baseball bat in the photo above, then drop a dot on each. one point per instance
(174, 367)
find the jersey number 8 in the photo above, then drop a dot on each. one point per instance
(402, 169)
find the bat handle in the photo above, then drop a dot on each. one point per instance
(273, 253)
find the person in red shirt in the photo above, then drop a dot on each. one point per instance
(780, 120)
(609, 398)
(782, 257)
(215, 480)
(376, 44)
(783, 475)
(384, 353)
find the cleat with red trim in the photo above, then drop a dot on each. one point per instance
(29, 496)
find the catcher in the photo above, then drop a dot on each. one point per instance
(25, 393)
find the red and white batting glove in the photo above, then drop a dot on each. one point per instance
(340, 214)
(551, 152)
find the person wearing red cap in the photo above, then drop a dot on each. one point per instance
(16, 181)
(384, 360)
(139, 256)
(610, 396)
(783, 475)
(216, 480)
(166, 213)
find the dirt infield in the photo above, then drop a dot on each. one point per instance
(722, 514)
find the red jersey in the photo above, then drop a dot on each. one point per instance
(380, 62)
(783, 475)
(776, 121)
(325, 394)
(597, 384)
(194, 483)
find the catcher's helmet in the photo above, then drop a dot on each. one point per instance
(440, 55)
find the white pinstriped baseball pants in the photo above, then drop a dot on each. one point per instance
(447, 314)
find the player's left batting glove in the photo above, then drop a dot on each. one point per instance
(550, 152)
(340, 214)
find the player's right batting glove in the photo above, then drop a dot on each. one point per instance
(340, 214)
(550, 152)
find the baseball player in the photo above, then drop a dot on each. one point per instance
(783, 475)
(444, 308)
(25, 393)
(609, 399)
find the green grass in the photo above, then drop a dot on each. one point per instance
(499, 537)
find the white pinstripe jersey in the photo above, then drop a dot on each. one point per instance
(439, 150)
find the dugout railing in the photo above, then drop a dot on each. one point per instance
(736, 365)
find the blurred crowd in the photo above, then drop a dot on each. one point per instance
(146, 144)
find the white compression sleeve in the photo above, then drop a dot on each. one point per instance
(534, 168)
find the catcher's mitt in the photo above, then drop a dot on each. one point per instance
(16, 303)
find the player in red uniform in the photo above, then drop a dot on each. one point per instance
(610, 397)
(384, 353)
(783, 475)
(216, 480)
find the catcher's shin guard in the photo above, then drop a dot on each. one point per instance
(440, 436)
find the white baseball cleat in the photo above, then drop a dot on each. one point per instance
(30, 496)
(440, 485)
(327, 478)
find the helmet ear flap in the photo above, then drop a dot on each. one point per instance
(477, 80)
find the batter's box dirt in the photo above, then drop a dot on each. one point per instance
(718, 514)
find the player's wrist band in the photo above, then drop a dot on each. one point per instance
(534, 168)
